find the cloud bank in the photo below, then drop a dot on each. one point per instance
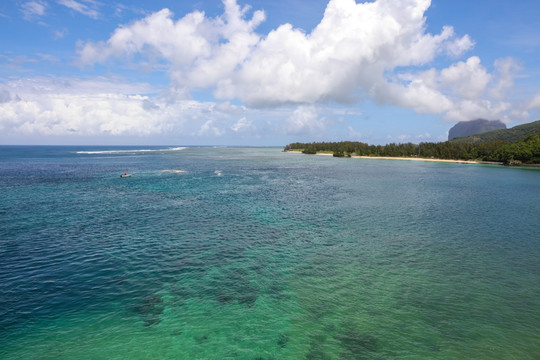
(378, 51)
(358, 51)
(112, 108)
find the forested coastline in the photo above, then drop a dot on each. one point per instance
(525, 151)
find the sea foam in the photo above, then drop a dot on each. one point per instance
(129, 151)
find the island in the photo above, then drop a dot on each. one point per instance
(517, 146)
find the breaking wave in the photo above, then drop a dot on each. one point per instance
(130, 151)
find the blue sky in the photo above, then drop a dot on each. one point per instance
(263, 72)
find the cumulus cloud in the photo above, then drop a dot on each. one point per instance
(378, 50)
(469, 79)
(479, 94)
(86, 107)
(465, 110)
(418, 94)
(463, 91)
(101, 114)
(507, 68)
(111, 107)
(5, 96)
(460, 46)
(351, 55)
(209, 128)
(343, 59)
(200, 51)
(228, 108)
(305, 120)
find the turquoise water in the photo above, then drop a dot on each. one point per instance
(249, 253)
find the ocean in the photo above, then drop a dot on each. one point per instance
(253, 253)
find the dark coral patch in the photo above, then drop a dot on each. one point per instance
(150, 308)
(356, 344)
(283, 339)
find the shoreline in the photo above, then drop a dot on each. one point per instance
(409, 158)
(425, 159)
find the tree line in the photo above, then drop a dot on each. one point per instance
(526, 151)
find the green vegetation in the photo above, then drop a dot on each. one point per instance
(511, 135)
(526, 151)
(498, 146)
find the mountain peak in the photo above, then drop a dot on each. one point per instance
(474, 127)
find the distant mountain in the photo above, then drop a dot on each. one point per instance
(474, 127)
(509, 135)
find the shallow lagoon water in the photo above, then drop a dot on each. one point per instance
(252, 253)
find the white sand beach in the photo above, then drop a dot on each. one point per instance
(418, 159)
(402, 158)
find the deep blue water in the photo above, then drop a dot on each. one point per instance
(246, 253)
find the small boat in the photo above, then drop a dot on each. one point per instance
(124, 175)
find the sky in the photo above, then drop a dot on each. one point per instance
(263, 72)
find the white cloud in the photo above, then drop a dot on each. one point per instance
(19, 61)
(209, 128)
(194, 48)
(81, 8)
(463, 91)
(342, 59)
(535, 102)
(242, 125)
(110, 107)
(469, 79)
(86, 107)
(227, 108)
(100, 114)
(354, 134)
(305, 120)
(33, 9)
(5, 96)
(459, 46)
(376, 50)
(506, 71)
(465, 110)
(61, 33)
(405, 138)
(417, 95)
(45, 86)
(48, 57)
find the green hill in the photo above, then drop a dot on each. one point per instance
(525, 151)
(509, 135)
